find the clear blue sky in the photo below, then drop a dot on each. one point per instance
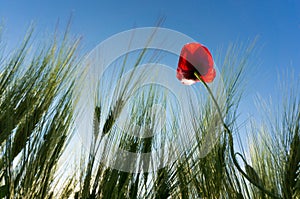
(214, 23)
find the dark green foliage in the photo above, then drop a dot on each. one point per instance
(36, 114)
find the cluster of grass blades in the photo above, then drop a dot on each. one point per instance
(37, 124)
(274, 142)
(35, 116)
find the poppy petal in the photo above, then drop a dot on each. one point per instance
(195, 57)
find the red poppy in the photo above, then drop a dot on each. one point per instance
(195, 57)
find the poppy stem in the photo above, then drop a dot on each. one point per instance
(230, 139)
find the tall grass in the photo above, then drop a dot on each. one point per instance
(36, 113)
(37, 124)
(274, 142)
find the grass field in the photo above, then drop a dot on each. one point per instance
(37, 89)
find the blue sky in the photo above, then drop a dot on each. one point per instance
(214, 23)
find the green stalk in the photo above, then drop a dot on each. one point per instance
(232, 154)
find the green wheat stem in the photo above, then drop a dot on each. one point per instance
(231, 141)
